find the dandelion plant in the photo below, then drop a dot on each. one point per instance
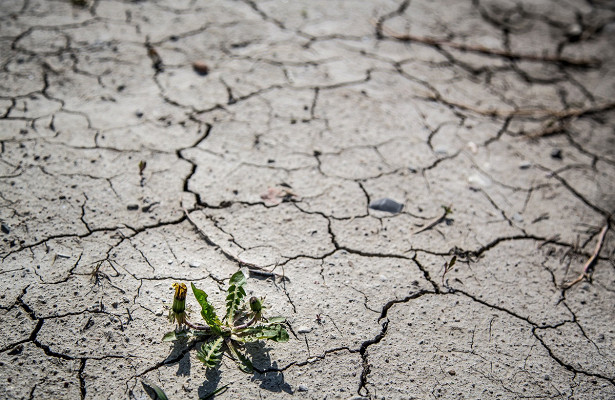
(243, 322)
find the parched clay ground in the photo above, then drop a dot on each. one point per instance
(123, 170)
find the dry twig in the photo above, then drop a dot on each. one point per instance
(589, 265)
(435, 221)
(533, 113)
(585, 63)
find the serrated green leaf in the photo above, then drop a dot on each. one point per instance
(171, 336)
(244, 364)
(207, 310)
(238, 279)
(210, 353)
(277, 333)
(276, 320)
(282, 336)
(185, 334)
(235, 294)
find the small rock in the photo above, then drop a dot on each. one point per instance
(517, 217)
(525, 165)
(195, 264)
(200, 68)
(386, 205)
(479, 180)
(473, 147)
(452, 372)
(132, 207)
(304, 329)
(139, 114)
(303, 388)
(556, 153)
(575, 30)
(441, 151)
(169, 261)
(6, 229)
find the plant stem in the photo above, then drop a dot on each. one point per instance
(196, 327)
(250, 322)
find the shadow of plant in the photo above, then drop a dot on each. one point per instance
(266, 372)
(182, 347)
(210, 385)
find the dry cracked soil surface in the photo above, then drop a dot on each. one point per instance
(151, 142)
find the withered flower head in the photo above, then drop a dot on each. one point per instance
(256, 304)
(178, 311)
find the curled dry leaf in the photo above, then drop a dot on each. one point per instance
(277, 195)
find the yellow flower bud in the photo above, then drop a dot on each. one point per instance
(178, 311)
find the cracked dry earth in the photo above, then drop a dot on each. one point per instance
(125, 168)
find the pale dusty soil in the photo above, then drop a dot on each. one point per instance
(123, 170)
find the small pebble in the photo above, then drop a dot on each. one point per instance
(556, 153)
(132, 207)
(139, 114)
(304, 329)
(386, 205)
(200, 68)
(169, 261)
(303, 388)
(575, 30)
(6, 229)
(517, 217)
(525, 165)
(479, 180)
(195, 264)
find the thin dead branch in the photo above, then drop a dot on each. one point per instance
(589, 265)
(435, 221)
(584, 63)
(533, 113)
